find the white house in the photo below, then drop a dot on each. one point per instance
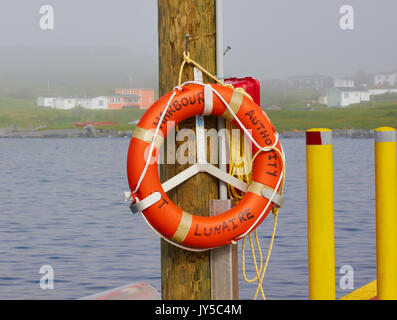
(65, 103)
(344, 83)
(99, 103)
(386, 78)
(342, 97)
(59, 103)
(46, 101)
(83, 103)
(365, 95)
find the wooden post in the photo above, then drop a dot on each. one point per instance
(185, 274)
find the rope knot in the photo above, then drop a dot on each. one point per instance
(131, 197)
(186, 57)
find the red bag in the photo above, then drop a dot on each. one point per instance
(249, 84)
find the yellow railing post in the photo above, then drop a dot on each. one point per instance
(320, 214)
(386, 212)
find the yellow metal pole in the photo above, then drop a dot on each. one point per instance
(386, 212)
(320, 214)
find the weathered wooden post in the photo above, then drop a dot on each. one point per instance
(185, 274)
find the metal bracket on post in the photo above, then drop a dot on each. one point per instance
(187, 43)
(201, 146)
(224, 262)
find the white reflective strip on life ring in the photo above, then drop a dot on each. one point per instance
(267, 192)
(208, 100)
(148, 136)
(234, 104)
(145, 203)
(183, 227)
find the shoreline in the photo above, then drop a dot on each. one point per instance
(345, 133)
(87, 132)
(93, 132)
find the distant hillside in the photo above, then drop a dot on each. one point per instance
(26, 70)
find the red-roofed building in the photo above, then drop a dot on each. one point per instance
(131, 98)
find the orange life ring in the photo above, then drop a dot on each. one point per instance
(164, 216)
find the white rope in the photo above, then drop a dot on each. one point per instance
(264, 149)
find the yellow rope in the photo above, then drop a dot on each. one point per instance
(240, 161)
(269, 252)
(187, 59)
(260, 272)
(238, 152)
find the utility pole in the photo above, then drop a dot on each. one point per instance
(186, 275)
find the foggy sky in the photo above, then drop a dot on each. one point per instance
(269, 38)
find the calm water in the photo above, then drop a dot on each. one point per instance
(61, 204)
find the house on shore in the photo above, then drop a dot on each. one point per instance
(65, 103)
(344, 83)
(46, 102)
(100, 102)
(136, 98)
(122, 98)
(385, 79)
(343, 97)
(131, 98)
(120, 101)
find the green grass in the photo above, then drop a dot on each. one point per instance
(22, 113)
(363, 116)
